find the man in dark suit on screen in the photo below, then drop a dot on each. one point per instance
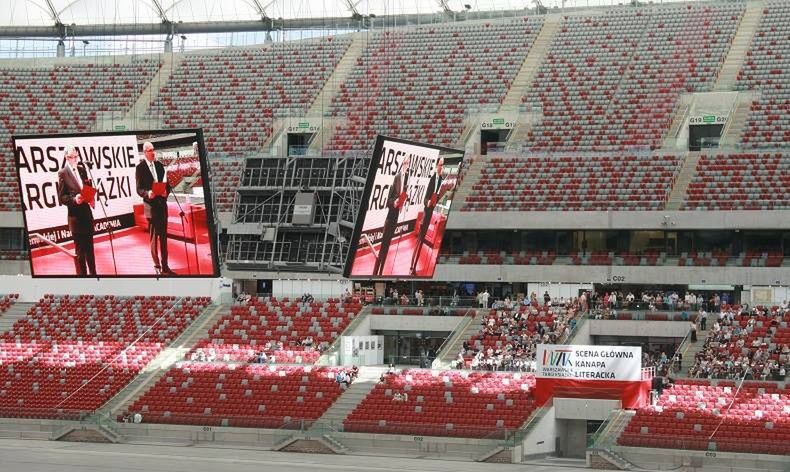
(72, 178)
(150, 176)
(432, 196)
(396, 197)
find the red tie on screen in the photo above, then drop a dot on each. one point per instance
(401, 199)
(89, 195)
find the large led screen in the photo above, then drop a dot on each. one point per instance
(131, 204)
(407, 198)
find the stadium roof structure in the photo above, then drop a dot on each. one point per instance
(70, 18)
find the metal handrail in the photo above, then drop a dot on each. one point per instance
(51, 243)
(334, 348)
(450, 340)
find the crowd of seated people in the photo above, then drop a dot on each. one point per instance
(669, 300)
(345, 377)
(511, 331)
(663, 360)
(746, 343)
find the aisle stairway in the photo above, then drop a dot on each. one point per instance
(684, 178)
(333, 417)
(14, 314)
(166, 358)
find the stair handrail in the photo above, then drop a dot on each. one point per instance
(146, 374)
(601, 439)
(730, 116)
(334, 348)
(450, 340)
(682, 348)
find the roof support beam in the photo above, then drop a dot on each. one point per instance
(160, 11)
(199, 27)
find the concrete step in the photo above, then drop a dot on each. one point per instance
(332, 85)
(366, 381)
(531, 64)
(450, 353)
(166, 359)
(141, 108)
(684, 178)
(12, 315)
(740, 45)
(471, 177)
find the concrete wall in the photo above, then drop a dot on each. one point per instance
(414, 446)
(584, 409)
(31, 290)
(582, 334)
(319, 288)
(15, 268)
(668, 275)
(601, 220)
(11, 219)
(710, 461)
(672, 329)
(573, 438)
(542, 438)
(414, 323)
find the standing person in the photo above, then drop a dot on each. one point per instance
(703, 321)
(693, 328)
(432, 196)
(395, 200)
(72, 179)
(484, 298)
(149, 172)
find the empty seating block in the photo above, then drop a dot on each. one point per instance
(225, 179)
(445, 403)
(740, 181)
(612, 81)
(70, 355)
(251, 395)
(59, 99)
(765, 70)
(501, 257)
(235, 94)
(416, 83)
(14, 255)
(239, 335)
(699, 415)
(574, 182)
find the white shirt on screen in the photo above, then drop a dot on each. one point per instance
(152, 168)
(76, 176)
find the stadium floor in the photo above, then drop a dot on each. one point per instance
(46, 456)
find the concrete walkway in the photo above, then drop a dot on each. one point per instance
(48, 456)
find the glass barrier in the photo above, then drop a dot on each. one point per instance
(45, 413)
(704, 441)
(611, 258)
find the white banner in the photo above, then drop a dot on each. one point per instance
(589, 362)
(422, 166)
(110, 161)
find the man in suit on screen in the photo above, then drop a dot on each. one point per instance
(396, 197)
(432, 196)
(72, 180)
(152, 186)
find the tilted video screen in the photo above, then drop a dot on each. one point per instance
(129, 204)
(407, 199)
